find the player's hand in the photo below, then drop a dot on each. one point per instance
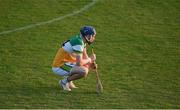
(94, 66)
(93, 57)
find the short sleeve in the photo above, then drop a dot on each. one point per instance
(78, 48)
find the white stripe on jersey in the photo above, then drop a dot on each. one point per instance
(78, 48)
(68, 47)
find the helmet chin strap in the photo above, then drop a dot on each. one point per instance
(89, 43)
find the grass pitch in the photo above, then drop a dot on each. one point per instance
(137, 47)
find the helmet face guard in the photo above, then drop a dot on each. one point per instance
(87, 32)
(88, 40)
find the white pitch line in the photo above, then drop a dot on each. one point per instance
(50, 21)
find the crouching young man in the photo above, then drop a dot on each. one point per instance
(72, 60)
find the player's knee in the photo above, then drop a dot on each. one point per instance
(83, 74)
(83, 71)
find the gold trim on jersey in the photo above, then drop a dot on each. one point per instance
(61, 57)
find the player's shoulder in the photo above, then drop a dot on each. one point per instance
(76, 40)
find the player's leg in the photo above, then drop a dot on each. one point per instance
(72, 73)
(77, 72)
(64, 73)
(70, 65)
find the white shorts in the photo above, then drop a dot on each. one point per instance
(64, 70)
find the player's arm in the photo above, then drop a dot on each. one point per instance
(80, 61)
(85, 55)
(82, 56)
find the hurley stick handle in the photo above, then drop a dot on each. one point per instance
(92, 50)
(99, 87)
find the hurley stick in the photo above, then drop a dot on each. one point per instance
(99, 87)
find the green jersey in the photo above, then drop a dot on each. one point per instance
(75, 44)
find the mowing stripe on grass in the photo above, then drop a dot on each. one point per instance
(50, 21)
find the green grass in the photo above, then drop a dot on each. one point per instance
(137, 47)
